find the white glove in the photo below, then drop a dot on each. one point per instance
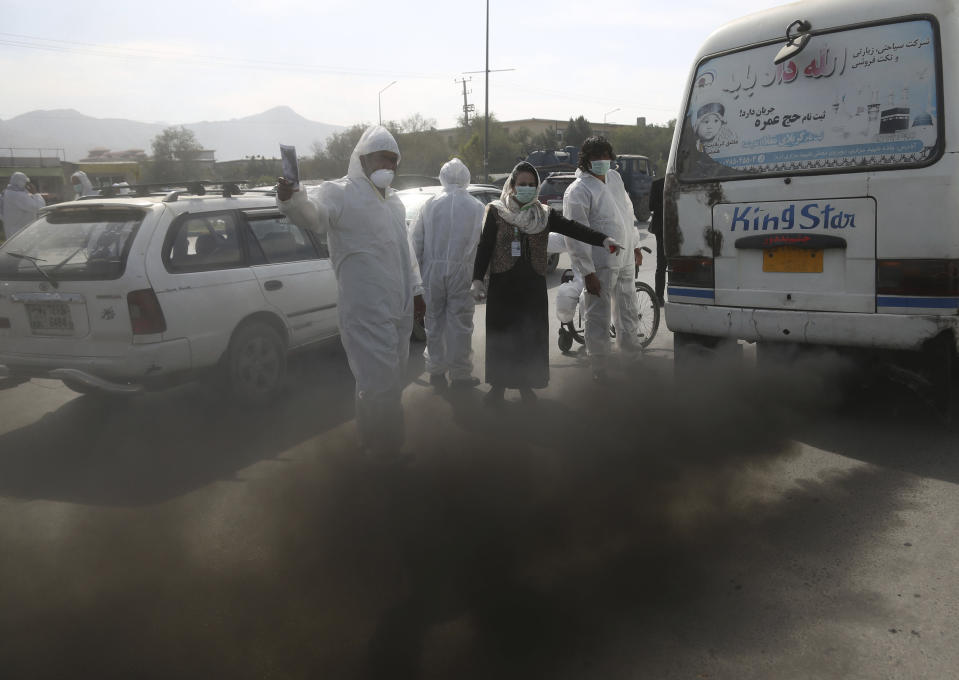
(613, 245)
(478, 290)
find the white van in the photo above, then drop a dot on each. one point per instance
(810, 194)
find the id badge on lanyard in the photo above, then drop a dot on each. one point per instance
(515, 247)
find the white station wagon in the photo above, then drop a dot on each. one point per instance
(124, 295)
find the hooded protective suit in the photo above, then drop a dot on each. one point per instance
(85, 186)
(377, 278)
(18, 207)
(605, 207)
(444, 238)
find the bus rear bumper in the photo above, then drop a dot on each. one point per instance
(841, 329)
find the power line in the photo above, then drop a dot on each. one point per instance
(591, 99)
(21, 41)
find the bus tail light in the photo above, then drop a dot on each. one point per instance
(146, 317)
(926, 277)
(691, 271)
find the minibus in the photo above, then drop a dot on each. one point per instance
(810, 197)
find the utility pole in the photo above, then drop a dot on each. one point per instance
(467, 107)
(486, 92)
(486, 122)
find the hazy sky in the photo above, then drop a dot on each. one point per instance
(182, 62)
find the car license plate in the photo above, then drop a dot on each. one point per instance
(792, 260)
(50, 318)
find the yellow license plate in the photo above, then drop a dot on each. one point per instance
(792, 260)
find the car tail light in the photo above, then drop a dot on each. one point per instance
(691, 271)
(146, 317)
(926, 277)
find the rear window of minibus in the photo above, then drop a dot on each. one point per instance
(860, 98)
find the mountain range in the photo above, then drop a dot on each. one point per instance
(76, 133)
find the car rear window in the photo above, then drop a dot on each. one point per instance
(554, 186)
(414, 202)
(859, 98)
(633, 165)
(74, 244)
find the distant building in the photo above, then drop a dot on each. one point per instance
(538, 126)
(101, 155)
(44, 167)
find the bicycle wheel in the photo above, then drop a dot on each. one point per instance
(648, 313)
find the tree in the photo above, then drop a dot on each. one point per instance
(547, 140)
(174, 149)
(175, 144)
(577, 131)
(648, 140)
(504, 149)
(414, 123)
(332, 159)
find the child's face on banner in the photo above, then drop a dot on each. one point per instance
(708, 126)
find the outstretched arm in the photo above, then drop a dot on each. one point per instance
(574, 229)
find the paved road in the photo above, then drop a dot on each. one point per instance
(744, 527)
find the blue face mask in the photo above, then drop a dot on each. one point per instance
(599, 167)
(525, 194)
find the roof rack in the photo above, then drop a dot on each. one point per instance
(196, 187)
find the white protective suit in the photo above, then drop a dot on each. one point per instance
(605, 207)
(85, 186)
(567, 297)
(444, 238)
(18, 207)
(377, 278)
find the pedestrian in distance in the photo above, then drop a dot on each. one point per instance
(82, 186)
(656, 229)
(597, 198)
(444, 237)
(19, 204)
(377, 277)
(513, 246)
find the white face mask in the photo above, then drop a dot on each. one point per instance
(599, 167)
(382, 178)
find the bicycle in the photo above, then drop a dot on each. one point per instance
(573, 323)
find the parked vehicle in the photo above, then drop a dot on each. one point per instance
(553, 187)
(401, 182)
(130, 294)
(810, 195)
(415, 199)
(550, 160)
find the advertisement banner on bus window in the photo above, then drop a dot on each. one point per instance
(856, 98)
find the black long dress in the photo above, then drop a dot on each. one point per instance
(517, 317)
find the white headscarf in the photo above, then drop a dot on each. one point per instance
(530, 218)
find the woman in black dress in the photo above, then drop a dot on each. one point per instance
(513, 245)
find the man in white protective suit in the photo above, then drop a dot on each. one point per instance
(444, 238)
(598, 199)
(19, 204)
(377, 277)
